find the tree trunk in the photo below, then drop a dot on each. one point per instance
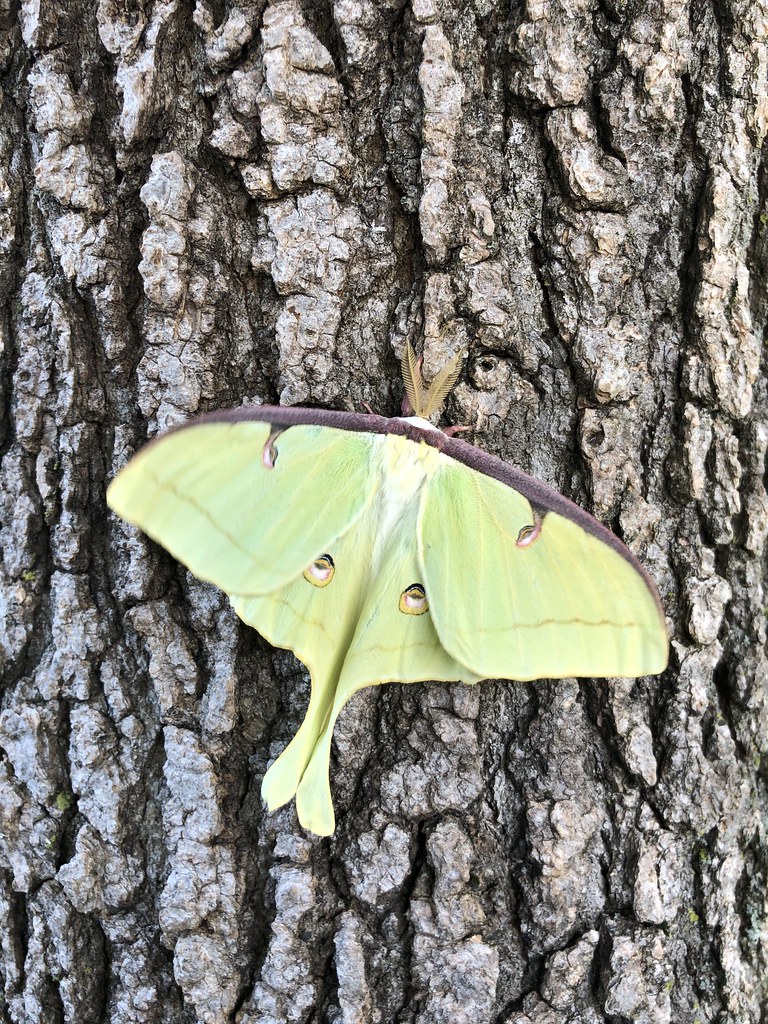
(262, 202)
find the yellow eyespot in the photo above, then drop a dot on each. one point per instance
(413, 600)
(320, 573)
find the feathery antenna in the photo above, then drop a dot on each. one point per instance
(425, 404)
(441, 386)
(412, 379)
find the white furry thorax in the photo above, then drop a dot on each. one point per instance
(405, 468)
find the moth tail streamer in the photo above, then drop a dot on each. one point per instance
(303, 768)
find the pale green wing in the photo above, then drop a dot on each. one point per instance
(389, 645)
(392, 644)
(241, 506)
(552, 601)
(377, 560)
(350, 633)
(317, 623)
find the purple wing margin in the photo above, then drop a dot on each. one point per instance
(537, 493)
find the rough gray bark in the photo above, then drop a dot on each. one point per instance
(262, 201)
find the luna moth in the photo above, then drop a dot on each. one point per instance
(388, 550)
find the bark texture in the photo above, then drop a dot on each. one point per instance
(211, 203)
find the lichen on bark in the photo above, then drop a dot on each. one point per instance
(207, 204)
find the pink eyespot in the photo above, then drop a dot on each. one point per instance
(269, 452)
(530, 534)
(320, 573)
(413, 600)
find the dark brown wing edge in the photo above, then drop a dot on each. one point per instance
(536, 492)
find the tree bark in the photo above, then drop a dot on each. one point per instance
(256, 201)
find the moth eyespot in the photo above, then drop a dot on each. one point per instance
(320, 573)
(269, 452)
(531, 533)
(413, 600)
(528, 535)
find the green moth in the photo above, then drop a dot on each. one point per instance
(382, 550)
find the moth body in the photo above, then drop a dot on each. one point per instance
(418, 421)
(404, 470)
(385, 550)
